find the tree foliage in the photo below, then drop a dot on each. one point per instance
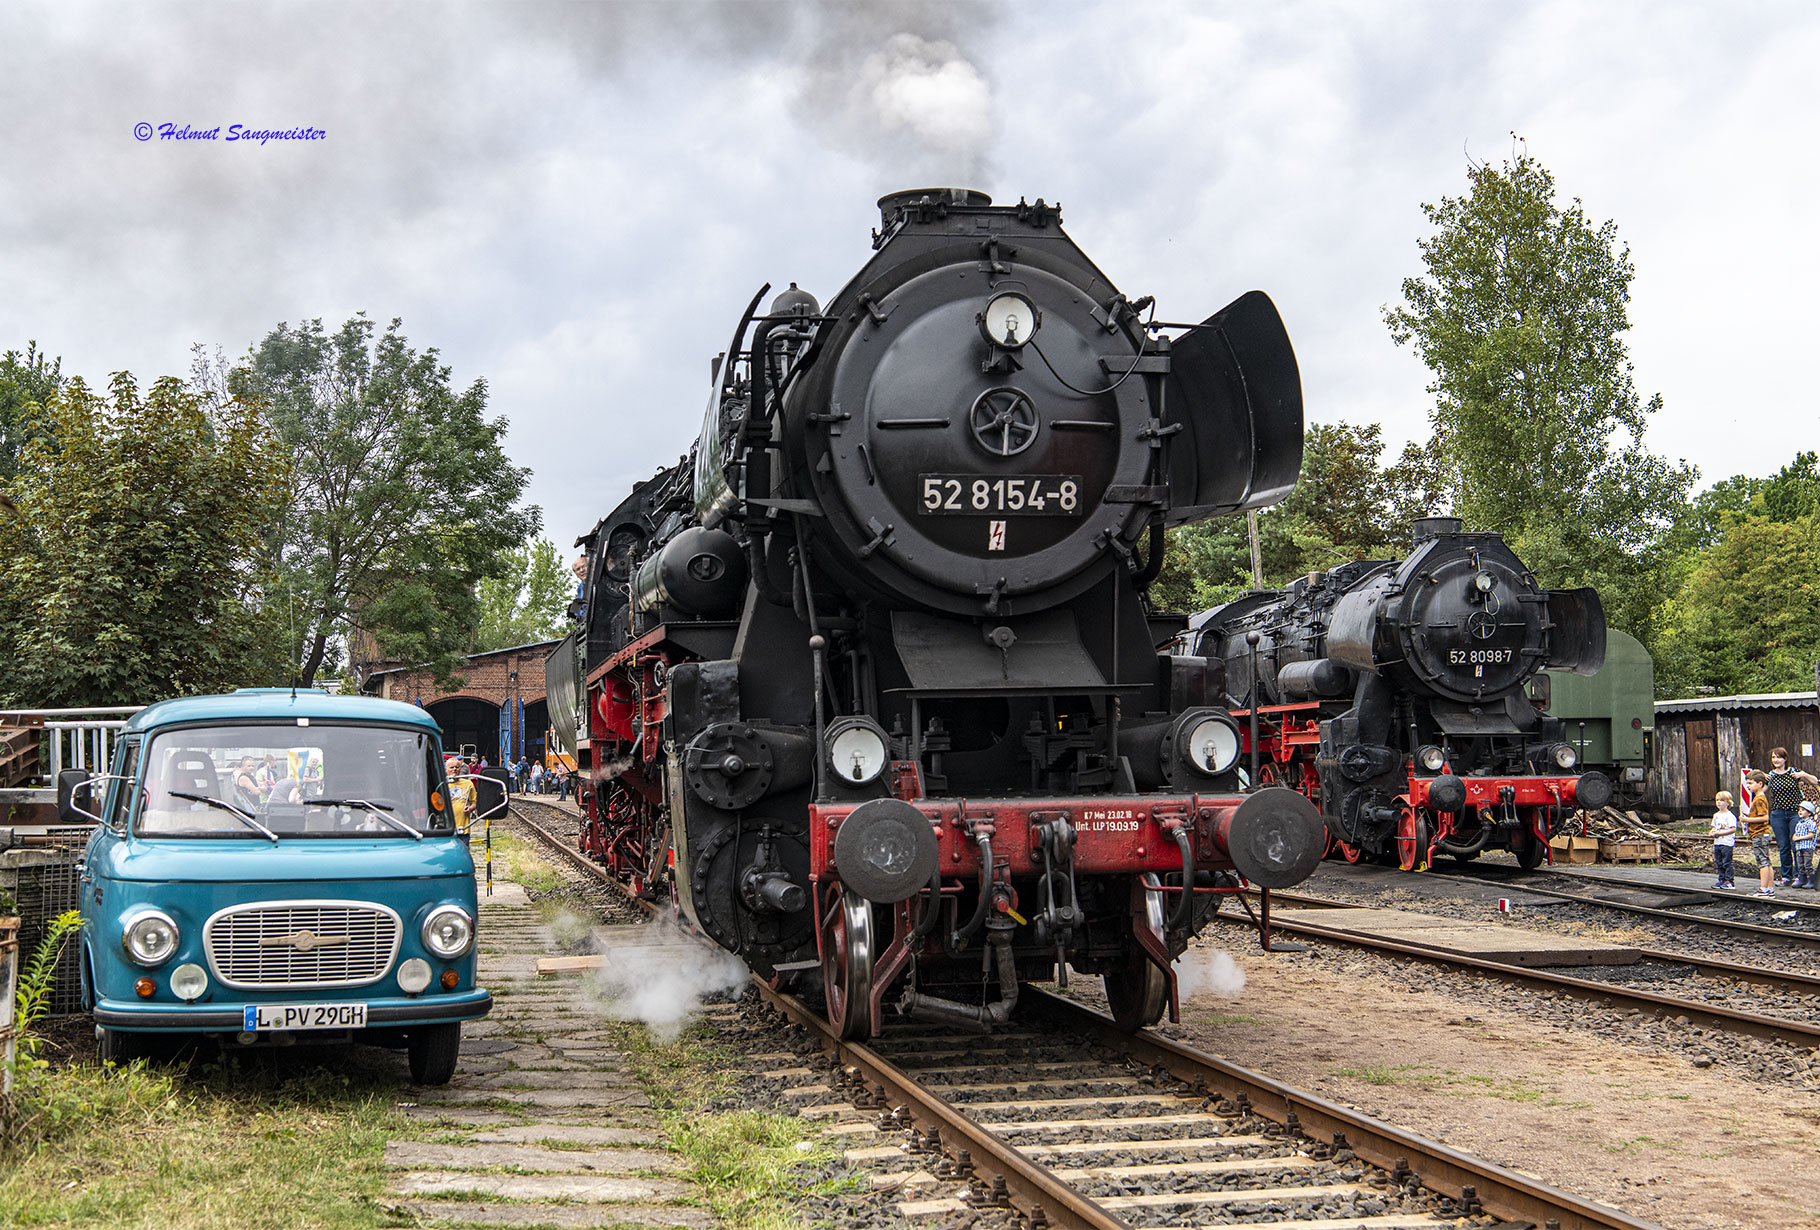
(28, 382)
(527, 601)
(1745, 615)
(1346, 506)
(130, 567)
(402, 495)
(1521, 316)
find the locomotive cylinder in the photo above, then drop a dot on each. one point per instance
(699, 572)
(1315, 677)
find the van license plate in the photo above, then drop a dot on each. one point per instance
(260, 1017)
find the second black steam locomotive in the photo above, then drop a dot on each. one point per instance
(1393, 694)
(868, 682)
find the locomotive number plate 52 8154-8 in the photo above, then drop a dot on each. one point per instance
(1031, 495)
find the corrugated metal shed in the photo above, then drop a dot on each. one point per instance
(1759, 700)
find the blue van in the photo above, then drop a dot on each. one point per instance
(278, 866)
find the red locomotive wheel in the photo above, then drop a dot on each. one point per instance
(1348, 851)
(847, 965)
(1413, 840)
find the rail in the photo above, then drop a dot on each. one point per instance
(1045, 1199)
(80, 738)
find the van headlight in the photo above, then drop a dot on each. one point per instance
(150, 937)
(188, 982)
(448, 931)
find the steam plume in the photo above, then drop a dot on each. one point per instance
(659, 976)
(1209, 973)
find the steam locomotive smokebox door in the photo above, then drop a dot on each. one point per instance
(1576, 641)
(1236, 393)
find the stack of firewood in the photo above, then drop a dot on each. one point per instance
(1613, 825)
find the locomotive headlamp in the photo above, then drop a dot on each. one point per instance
(150, 937)
(1431, 758)
(1213, 745)
(448, 931)
(1009, 320)
(1483, 582)
(857, 750)
(1565, 756)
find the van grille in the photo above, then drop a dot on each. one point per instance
(302, 944)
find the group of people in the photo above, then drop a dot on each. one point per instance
(530, 777)
(257, 783)
(1781, 818)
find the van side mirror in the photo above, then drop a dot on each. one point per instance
(69, 781)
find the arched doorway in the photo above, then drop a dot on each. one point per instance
(468, 722)
(537, 726)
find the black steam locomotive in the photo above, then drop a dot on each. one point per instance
(1393, 694)
(868, 682)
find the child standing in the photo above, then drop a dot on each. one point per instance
(1806, 831)
(1756, 827)
(1725, 836)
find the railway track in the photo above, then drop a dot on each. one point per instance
(1065, 1121)
(1794, 936)
(1607, 994)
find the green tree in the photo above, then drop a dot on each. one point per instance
(1521, 316)
(1747, 616)
(402, 495)
(130, 567)
(1345, 506)
(28, 382)
(526, 602)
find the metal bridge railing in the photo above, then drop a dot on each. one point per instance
(77, 738)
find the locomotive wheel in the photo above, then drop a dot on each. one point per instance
(1348, 851)
(1530, 853)
(1414, 837)
(1137, 991)
(847, 965)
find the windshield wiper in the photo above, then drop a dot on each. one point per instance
(378, 809)
(224, 806)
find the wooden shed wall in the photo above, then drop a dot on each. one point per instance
(1738, 739)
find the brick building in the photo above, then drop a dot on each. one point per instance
(499, 710)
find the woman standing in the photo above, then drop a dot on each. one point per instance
(1784, 791)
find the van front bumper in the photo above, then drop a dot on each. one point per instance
(215, 1018)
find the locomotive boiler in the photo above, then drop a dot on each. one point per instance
(1393, 694)
(868, 681)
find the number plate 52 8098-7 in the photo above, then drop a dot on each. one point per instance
(1030, 495)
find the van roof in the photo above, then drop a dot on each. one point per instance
(280, 704)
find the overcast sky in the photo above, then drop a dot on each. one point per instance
(574, 201)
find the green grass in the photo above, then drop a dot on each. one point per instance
(747, 1163)
(1446, 1080)
(223, 1147)
(520, 863)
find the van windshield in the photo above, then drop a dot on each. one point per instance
(320, 780)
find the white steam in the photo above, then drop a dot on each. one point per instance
(927, 90)
(1209, 973)
(657, 975)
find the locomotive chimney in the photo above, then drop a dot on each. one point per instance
(892, 202)
(1424, 528)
